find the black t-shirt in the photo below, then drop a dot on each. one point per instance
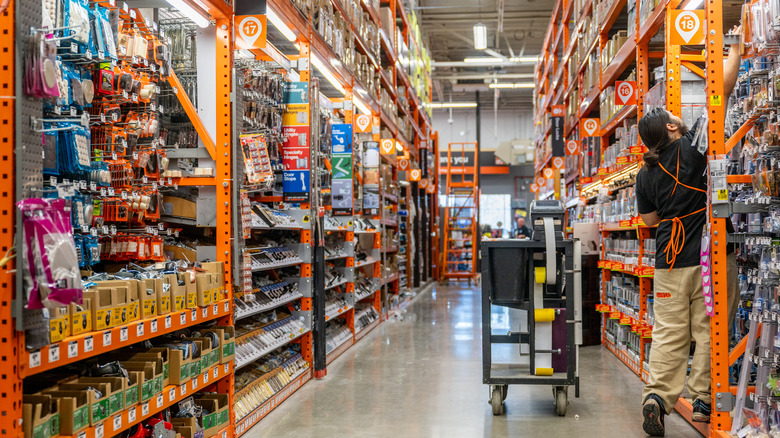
(523, 231)
(655, 191)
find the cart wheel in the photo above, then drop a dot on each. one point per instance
(504, 390)
(496, 401)
(561, 400)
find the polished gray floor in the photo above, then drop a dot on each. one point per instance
(420, 376)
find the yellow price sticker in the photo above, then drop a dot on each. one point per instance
(715, 100)
(723, 195)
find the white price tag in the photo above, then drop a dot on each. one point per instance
(205, 312)
(215, 372)
(93, 186)
(107, 338)
(145, 409)
(160, 400)
(82, 434)
(103, 192)
(224, 434)
(54, 353)
(227, 306)
(35, 359)
(73, 349)
(111, 191)
(131, 414)
(206, 378)
(139, 329)
(132, 14)
(99, 431)
(183, 318)
(123, 335)
(168, 321)
(88, 343)
(215, 309)
(227, 368)
(172, 394)
(153, 327)
(183, 389)
(195, 383)
(193, 315)
(117, 421)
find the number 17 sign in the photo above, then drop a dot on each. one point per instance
(250, 31)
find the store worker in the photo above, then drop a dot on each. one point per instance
(522, 232)
(671, 191)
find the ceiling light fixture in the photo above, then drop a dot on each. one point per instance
(454, 105)
(524, 85)
(480, 36)
(502, 85)
(196, 16)
(525, 59)
(483, 60)
(360, 105)
(318, 64)
(281, 25)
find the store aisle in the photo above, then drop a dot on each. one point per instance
(421, 377)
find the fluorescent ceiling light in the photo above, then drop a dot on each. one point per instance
(524, 85)
(480, 36)
(190, 12)
(280, 25)
(317, 62)
(360, 105)
(484, 60)
(503, 85)
(510, 85)
(525, 59)
(399, 147)
(454, 105)
(693, 4)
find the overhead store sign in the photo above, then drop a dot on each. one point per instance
(548, 172)
(296, 152)
(403, 164)
(534, 187)
(464, 159)
(388, 146)
(431, 188)
(415, 175)
(341, 169)
(363, 123)
(424, 183)
(250, 31)
(589, 127)
(558, 141)
(558, 162)
(625, 93)
(572, 147)
(688, 27)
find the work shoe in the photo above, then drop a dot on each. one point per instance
(701, 411)
(653, 413)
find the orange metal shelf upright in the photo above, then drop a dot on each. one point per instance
(462, 197)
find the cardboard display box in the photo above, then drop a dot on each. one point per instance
(81, 318)
(74, 410)
(40, 416)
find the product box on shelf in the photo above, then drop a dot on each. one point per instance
(59, 324)
(81, 318)
(112, 303)
(40, 416)
(176, 297)
(219, 416)
(180, 207)
(187, 427)
(117, 393)
(73, 409)
(132, 390)
(227, 336)
(217, 271)
(160, 358)
(149, 291)
(208, 352)
(151, 375)
(178, 365)
(99, 407)
(190, 289)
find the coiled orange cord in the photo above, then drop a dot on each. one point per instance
(677, 240)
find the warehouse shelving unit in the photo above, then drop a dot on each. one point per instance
(564, 76)
(461, 227)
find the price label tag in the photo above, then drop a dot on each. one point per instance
(153, 107)
(99, 431)
(117, 421)
(101, 54)
(193, 315)
(168, 321)
(145, 409)
(224, 434)
(205, 312)
(206, 378)
(215, 309)
(74, 48)
(124, 92)
(135, 98)
(35, 359)
(54, 353)
(153, 327)
(160, 400)
(93, 186)
(154, 185)
(162, 109)
(103, 192)
(131, 414)
(132, 13)
(194, 383)
(215, 372)
(104, 229)
(111, 191)
(83, 185)
(82, 434)
(227, 306)
(183, 318)
(88, 344)
(227, 368)
(139, 329)
(73, 349)
(145, 179)
(172, 394)
(123, 334)
(107, 338)
(183, 389)
(113, 230)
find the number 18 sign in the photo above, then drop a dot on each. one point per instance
(687, 28)
(250, 31)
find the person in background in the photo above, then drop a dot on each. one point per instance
(522, 232)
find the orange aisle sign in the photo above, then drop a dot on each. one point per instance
(572, 147)
(558, 162)
(534, 187)
(557, 110)
(625, 93)
(388, 146)
(431, 188)
(424, 183)
(540, 181)
(250, 31)
(363, 123)
(688, 27)
(548, 172)
(403, 164)
(415, 175)
(589, 128)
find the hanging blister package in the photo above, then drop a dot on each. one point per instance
(52, 274)
(78, 20)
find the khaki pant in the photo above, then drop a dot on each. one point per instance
(680, 317)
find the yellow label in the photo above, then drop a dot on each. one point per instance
(178, 303)
(207, 294)
(59, 329)
(192, 300)
(165, 305)
(103, 319)
(150, 308)
(81, 323)
(723, 195)
(715, 100)
(133, 312)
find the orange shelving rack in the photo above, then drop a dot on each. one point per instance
(461, 227)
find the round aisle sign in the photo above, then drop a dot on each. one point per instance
(251, 31)
(534, 187)
(590, 125)
(363, 123)
(686, 24)
(548, 173)
(625, 92)
(403, 164)
(558, 162)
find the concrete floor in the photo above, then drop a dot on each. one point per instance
(420, 376)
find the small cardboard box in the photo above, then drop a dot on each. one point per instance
(133, 392)
(80, 318)
(59, 324)
(180, 207)
(228, 339)
(74, 410)
(171, 290)
(40, 416)
(102, 302)
(205, 291)
(191, 290)
(116, 397)
(149, 291)
(205, 348)
(187, 427)
(219, 417)
(99, 408)
(148, 379)
(177, 369)
(217, 270)
(159, 357)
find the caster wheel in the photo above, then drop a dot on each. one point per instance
(497, 401)
(504, 390)
(561, 400)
